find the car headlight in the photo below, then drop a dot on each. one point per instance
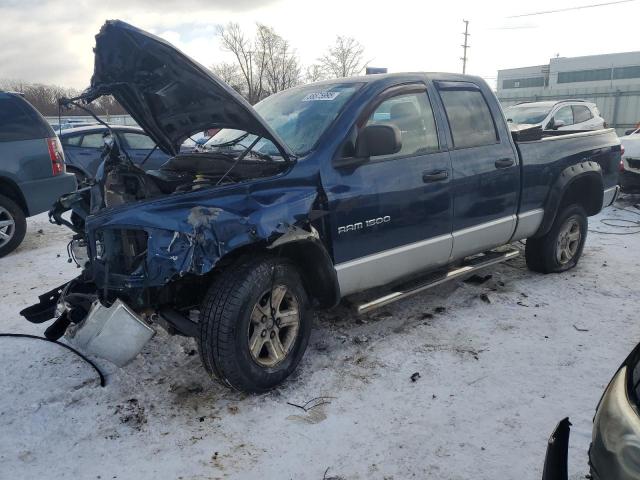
(124, 250)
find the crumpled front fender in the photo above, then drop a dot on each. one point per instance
(189, 233)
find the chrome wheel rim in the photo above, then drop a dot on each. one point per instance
(273, 326)
(7, 226)
(568, 241)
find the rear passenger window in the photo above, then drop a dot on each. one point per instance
(93, 140)
(19, 122)
(72, 140)
(469, 118)
(581, 114)
(412, 114)
(138, 141)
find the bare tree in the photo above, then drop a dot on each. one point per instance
(315, 73)
(282, 68)
(230, 73)
(250, 62)
(344, 58)
(266, 64)
(45, 98)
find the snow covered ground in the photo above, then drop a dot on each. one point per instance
(496, 373)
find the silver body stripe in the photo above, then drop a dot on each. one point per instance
(528, 224)
(482, 237)
(383, 267)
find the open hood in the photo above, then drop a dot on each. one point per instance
(170, 95)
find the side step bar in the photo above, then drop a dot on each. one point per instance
(473, 265)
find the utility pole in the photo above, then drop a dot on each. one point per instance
(465, 46)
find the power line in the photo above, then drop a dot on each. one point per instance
(465, 46)
(570, 8)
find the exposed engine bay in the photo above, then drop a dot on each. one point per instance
(123, 182)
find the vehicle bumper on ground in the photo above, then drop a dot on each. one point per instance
(41, 194)
(615, 448)
(630, 181)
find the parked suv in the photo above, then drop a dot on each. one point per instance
(557, 115)
(32, 170)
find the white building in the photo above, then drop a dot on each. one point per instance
(611, 81)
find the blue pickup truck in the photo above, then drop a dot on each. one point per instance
(386, 184)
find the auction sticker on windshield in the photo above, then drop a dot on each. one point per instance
(317, 96)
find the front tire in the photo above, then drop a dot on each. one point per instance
(255, 324)
(559, 249)
(13, 225)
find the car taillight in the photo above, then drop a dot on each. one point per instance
(56, 155)
(621, 164)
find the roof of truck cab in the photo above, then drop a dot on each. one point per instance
(400, 77)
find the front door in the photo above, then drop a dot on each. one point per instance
(391, 216)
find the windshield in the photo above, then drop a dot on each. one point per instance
(526, 113)
(299, 116)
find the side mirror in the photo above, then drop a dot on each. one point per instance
(556, 124)
(376, 140)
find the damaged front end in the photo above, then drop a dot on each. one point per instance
(148, 242)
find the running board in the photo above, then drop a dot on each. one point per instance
(473, 265)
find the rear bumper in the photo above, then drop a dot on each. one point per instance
(40, 195)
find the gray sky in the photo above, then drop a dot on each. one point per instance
(51, 41)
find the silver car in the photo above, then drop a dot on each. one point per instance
(557, 115)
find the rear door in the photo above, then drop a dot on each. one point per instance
(391, 216)
(486, 177)
(141, 148)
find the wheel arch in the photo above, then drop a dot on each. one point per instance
(582, 184)
(316, 268)
(305, 250)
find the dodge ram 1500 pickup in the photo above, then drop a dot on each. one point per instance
(386, 183)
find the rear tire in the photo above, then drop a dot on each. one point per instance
(559, 249)
(13, 225)
(243, 342)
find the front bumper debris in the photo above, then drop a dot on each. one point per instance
(115, 333)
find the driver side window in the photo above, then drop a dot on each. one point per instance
(413, 116)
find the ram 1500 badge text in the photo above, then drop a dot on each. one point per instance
(316, 193)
